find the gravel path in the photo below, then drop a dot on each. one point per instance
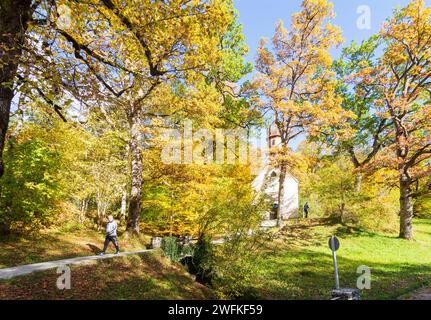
(8, 273)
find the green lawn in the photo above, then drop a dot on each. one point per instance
(298, 265)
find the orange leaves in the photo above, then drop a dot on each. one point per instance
(410, 27)
(294, 79)
(403, 77)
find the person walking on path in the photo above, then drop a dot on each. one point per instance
(306, 208)
(111, 235)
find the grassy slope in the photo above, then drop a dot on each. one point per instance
(146, 276)
(298, 265)
(56, 244)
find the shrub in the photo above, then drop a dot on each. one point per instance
(171, 249)
(203, 260)
(30, 188)
(378, 211)
(422, 207)
(234, 276)
(236, 266)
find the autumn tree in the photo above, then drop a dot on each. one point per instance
(33, 184)
(14, 20)
(126, 60)
(370, 131)
(328, 183)
(117, 58)
(403, 80)
(295, 79)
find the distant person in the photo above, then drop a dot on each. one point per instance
(111, 235)
(306, 208)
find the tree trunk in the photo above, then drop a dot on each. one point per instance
(123, 204)
(135, 198)
(99, 214)
(358, 182)
(101, 209)
(4, 228)
(281, 191)
(406, 192)
(14, 17)
(342, 213)
(83, 211)
(406, 207)
(342, 205)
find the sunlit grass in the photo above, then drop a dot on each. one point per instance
(299, 264)
(296, 265)
(54, 244)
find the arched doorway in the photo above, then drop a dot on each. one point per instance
(274, 210)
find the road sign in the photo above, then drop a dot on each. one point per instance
(333, 243)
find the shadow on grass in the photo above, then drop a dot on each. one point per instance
(19, 250)
(93, 248)
(302, 224)
(347, 231)
(143, 277)
(310, 275)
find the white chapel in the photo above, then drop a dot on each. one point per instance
(267, 182)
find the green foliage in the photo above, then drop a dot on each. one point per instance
(203, 259)
(217, 203)
(30, 189)
(235, 266)
(171, 248)
(359, 98)
(72, 226)
(234, 48)
(235, 215)
(336, 190)
(422, 206)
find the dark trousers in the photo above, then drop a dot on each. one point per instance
(306, 213)
(109, 239)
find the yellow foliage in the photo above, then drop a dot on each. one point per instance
(295, 79)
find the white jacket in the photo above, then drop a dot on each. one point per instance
(111, 229)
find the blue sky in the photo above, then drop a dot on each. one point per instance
(259, 17)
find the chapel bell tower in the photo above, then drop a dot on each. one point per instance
(274, 136)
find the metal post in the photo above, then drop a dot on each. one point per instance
(334, 257)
